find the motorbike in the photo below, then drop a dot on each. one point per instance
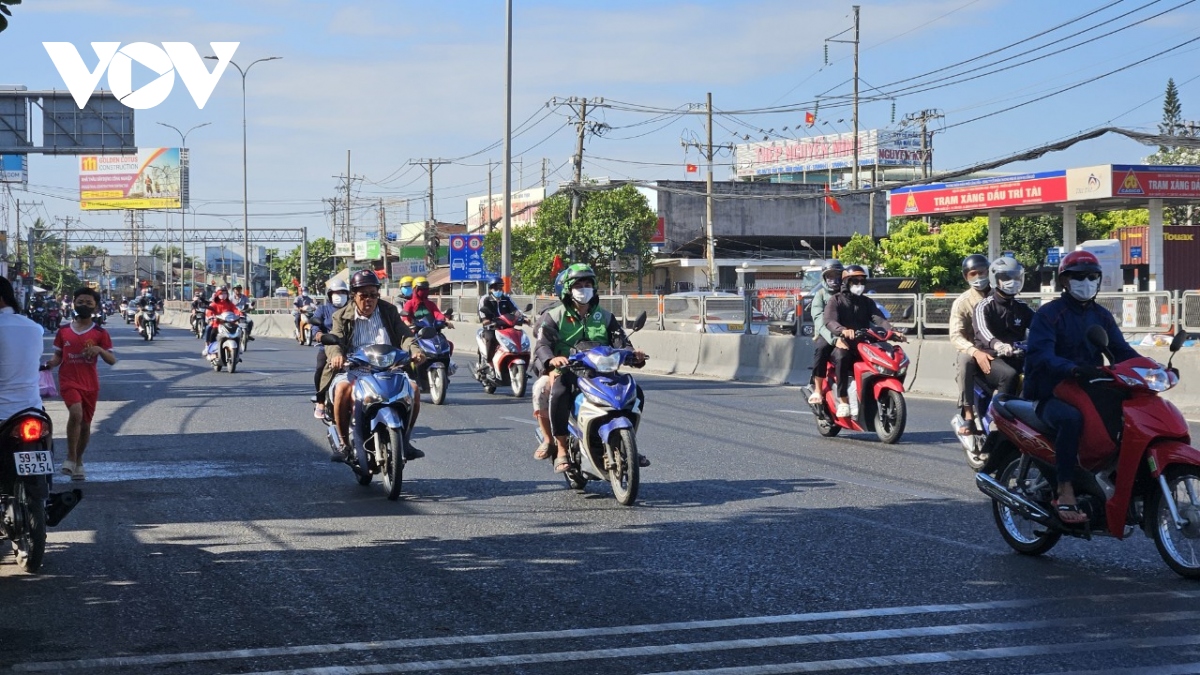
(981, 423)
(244, 328)
(510, 363)
(381, 414)
(433, 374)
(149, 323)
(27, 507)
(1137, 468)
(198, 323)
(602, 438)
(301, 331)
(876, 393)
(226, 350)
(53, 318)
(130, 311)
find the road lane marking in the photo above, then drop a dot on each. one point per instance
(517, 419)
(577, 633)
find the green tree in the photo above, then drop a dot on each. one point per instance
(5, 12)
(1172, 124)
(911, 251)
(321, 265)
(48, 254)
(862, 250)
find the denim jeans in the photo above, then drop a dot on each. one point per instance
(1067, 422)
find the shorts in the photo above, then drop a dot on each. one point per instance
(87, 399)
(541, 394)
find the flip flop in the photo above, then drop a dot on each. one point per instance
(1063, 509)
(542, 452)
(562, 465)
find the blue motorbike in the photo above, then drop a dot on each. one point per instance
(981, 424)
(433, 374)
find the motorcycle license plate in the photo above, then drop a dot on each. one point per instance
(35, 463)
(735, 327)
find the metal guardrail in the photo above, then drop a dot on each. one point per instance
(1189, 311)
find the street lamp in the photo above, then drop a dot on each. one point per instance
(245, 203)
(182, 205)
(805, 244)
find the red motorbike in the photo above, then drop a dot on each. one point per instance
(510, 363)
(876, 393)
(1138, 469)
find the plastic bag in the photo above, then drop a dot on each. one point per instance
(46, 385)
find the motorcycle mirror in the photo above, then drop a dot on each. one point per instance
(427, 333)
(529, 307)
(639, 322)
(329, 339)
(1097, 336)
(449, 313)
(908, 313)
(1178, 340)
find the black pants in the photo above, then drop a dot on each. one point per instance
(822, 351)
(1005, 376)
(843, 361)
(562, 395)
(489, 338)
(321, 360)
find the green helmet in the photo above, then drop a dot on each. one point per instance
(572, 274)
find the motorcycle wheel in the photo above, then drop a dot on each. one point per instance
(517, 375)
(233, 361)
(393, 470)
(437, 385)
(30, 545)
(1179, 547)
(489, 388)
(1023, 535)
(826, 428)
(624, 478)
(892, 416)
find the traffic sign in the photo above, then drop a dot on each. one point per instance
(466, 258)
(1135, 252)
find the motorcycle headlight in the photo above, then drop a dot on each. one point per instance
(1156, 379)
(508, 344)
(607, 364)
(381, 360)
(883, 371)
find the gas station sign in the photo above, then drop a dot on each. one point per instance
(1047, 187)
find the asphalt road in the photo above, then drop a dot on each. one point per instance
(216, 537)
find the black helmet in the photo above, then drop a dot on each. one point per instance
(494, 281)
(362, 279)
(832, 282)
(975, 261)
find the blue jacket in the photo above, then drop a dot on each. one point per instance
(323, 316)
(1058, 343)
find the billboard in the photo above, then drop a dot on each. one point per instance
(1156, 182)
(821, 153)
(466, 258)
(524, 208)
(367, 250)
(150, 179)
(14, 169)
(1047, 187)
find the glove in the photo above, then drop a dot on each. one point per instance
(1088, 373)
(1003, 349)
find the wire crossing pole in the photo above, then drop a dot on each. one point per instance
(506, 232)
(431, 225)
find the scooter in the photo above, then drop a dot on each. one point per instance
(1136, 466)
(433, 374)
(225, 351)
(149, 324)
(130, 311)
(981, 423)
(510, 363)
(876, 393)
(602, 429)
(27, 507)
(381, 417)
(198, 323)
(301, 331)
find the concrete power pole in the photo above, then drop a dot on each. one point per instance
(854, 173)
(924, 118)
(430, 226)
(711, 247)
(578, 159)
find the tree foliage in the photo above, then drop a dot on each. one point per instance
(1172, 124)
(321, 265)
(611, 223)
(5, 12)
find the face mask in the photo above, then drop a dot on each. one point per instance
(84, 311)
(858, 289)
(497, 294)
(339, 300)
(833, 285)
(422, 293)
(1011, 287)
(980, 284)
(1082, 289)
(582, 295)
(406, 292)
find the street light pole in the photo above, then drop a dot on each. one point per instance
(183, 204)
(245, 182)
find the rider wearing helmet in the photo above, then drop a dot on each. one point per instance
(491, 307)
(406, 288)
(337, 295)
(1058, 348)
(420, 307)
(831, 283)
(849, 311)
(366, 320)
(580, 318)
(219, 305)
(1000, 322)
(244, 304)
(962, 335)
(303, 299)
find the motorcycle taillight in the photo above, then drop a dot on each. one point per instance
(29, 430)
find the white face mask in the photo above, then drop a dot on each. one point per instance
(1011, 287)
(1082, 289)
(980, 284)
(582, 295)
(339, 299)
(857, 289)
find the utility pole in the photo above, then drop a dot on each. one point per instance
(349, 237)
(431, 238)
(491, 223)
(62, 261)
(543, 173)
(582, 128)
(383, 241)
(924, 118)
(708, 150)
(854, 168)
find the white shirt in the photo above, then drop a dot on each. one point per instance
(369, 330)
(20, 355)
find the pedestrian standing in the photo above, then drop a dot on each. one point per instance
(76, 347)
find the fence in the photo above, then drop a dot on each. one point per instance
(1155, 311)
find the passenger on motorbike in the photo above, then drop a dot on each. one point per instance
(365, 320)
(848, 312)
(406, 288)
(219, 305)
(337, 294)
(491, 307)
(1058, 348)
(421, 308)
(244, 305)
(579, 319)
(302, 300)
(22, 348)
(542, 383)
(831, 283)
(144, 302)
(1001, 321)
(962, 335)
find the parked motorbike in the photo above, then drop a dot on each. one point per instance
(876, 393)
(381, 415)
(433, 374)
(510, 363)
(981, 423)
(26, 469)
(1136, 467)
(149, 323)
(604, 420)
(226, 350)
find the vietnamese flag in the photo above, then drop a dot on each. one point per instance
(832, 201)
(692, 168)
(556, 267)
(810, 118)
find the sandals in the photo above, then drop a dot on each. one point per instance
(562, 465)
(543, 451)
(1070, 514)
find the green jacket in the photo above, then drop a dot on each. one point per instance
(816, 310)
(560, 328)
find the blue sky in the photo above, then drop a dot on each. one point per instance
(397, 80)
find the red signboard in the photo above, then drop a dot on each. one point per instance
(660, 232)
(980, 195)
(1181, 182)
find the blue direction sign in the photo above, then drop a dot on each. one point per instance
(466, 258)
(1052, 255)
(1135, 252)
